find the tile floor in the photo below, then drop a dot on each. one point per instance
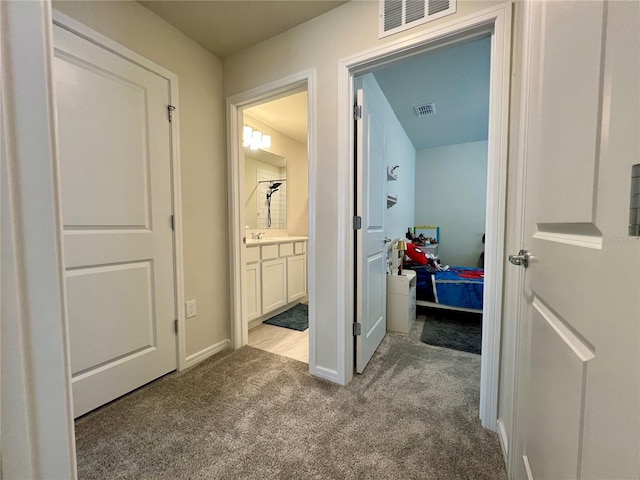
(281, 341)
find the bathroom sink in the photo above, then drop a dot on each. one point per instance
(269, 240)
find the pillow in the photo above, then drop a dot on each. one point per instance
(416, 254)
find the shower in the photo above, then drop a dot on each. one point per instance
(274, 186)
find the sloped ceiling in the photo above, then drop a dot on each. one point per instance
(456, 80)
(226, 27)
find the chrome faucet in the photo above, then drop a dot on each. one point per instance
(257, 236)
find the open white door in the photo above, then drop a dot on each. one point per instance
(371, 276)
(115, 160)
(579, 367)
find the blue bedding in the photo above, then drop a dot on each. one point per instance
(461, 287)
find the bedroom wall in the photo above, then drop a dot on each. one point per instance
(451, 187)
(202, 153)
(320, 44)
(398, 151)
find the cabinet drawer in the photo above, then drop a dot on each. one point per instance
(299, 248)
(252, 255)
(269, 252)
(286, 249)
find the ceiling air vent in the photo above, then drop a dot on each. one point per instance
(399, 15)
(427, 109)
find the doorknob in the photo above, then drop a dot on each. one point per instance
(386, 240)
(521, 259)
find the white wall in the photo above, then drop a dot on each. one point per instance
(320, 44)
(202, 150)
(451, 188)
(398, 151)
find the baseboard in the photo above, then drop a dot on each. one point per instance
(504, 441)
(206, 353)
(325, 373)
(527, 467)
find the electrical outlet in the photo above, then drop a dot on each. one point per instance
(191, 308)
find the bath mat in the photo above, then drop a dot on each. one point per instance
(456, 330)
(296, 318)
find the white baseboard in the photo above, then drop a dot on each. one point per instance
(206, 353)
(504, 441)
(325, 373)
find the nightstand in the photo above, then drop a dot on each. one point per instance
(401, 301)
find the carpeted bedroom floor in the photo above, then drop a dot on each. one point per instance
(250, 414)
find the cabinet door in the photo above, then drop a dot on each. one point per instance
(296, 277)
(252, 291)
(274, 283)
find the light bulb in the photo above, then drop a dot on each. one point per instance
(246, 136)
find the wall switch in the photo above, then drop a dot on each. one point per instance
(191, 308)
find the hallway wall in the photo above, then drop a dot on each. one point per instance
(202, 152)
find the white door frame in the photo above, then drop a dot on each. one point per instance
(83, 31)
(497, 20)
(235, 172)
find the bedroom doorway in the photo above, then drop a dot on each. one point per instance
(494, 26)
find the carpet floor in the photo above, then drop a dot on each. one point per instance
(250, 414)
(450, 329)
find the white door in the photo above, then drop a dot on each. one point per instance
(578, 389)
(371, 275)
(114, 150)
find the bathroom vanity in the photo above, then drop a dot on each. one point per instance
(275, 275)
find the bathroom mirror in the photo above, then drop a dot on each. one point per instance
(265, 189)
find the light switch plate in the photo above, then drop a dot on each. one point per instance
(191, 308)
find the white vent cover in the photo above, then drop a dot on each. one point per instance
(398, 15)
(426, 109)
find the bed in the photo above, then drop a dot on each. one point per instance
(458, 288)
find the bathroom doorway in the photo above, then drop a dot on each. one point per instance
(270, 145)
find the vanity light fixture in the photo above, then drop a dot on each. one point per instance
(255, 139)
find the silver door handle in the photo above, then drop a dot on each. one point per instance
(521, 259)
(386, 240)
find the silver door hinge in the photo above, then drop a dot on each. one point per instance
(357, 329)
(357, 112)
(170, 108)
(357, 222)
(175, 325)
(173, 223)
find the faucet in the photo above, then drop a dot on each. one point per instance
(257, 236)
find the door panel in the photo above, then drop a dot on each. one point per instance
(578, 390)
(371, 297)
(115, 162)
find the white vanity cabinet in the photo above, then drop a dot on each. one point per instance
(274, 284)
(252, 288)
(275, 274)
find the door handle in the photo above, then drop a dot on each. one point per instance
(522, 258)
(386, 240)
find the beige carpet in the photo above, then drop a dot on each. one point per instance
(250, 414)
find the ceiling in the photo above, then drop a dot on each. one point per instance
(288, 115)
(456, 80)
(226, 27)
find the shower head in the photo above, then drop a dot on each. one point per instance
(274, 186)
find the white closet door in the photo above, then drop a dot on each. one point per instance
(114, 144)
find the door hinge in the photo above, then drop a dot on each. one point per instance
(173, 223)
(170, 108)
(357, 222)
(357, 329)
(357, 112)
(175, 325)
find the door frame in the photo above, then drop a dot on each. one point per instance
(497, 20)
(235, 105)
(73, 26)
